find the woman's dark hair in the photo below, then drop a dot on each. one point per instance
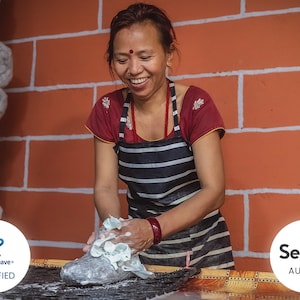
(139, 13)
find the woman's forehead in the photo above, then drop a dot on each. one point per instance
(139, 32)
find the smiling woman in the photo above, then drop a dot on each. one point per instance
(163, 140)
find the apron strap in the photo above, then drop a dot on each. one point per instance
(174, 106)
(123, 119)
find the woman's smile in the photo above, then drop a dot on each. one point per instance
(138, 81)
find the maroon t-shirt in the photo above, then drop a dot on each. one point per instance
(198, 116)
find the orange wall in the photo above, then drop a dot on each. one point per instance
(245, 53)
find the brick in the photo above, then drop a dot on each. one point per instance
(262, 160)
(265, 223)
(250, 43)
(235, 222)
(47, 113)
(50, 216)
(12, 163)
(72, 60)
(252, 264)
(191, 10)
(22, 55)
(102, 90)
(46, 17)
(223, 91)
(65, 164)
(55, 253)
(260, 5)
(270, 98)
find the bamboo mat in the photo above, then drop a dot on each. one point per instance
(220, 281)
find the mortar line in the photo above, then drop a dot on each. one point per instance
(246, 222)
(90, 136)
(240, 101)
(100, 15)
(228, 192)
(251, 254)
(239, 16)
(177, 77)
(83, 191)
(231, 192)
(242, 7)
(26, 163)
(263, 130)
(55, 244)
(33, 65)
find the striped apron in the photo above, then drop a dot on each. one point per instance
(160, 175)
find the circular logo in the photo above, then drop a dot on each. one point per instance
(285, 256)
(14, 256)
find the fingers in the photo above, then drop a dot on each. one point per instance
(86, 248)
(91, 238)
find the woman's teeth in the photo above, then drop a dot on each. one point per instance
(138, 80)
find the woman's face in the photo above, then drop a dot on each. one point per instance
(139, 60)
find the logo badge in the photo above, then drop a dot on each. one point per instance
(285, 256)
(14, 256)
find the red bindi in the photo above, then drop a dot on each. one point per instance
(130, 51)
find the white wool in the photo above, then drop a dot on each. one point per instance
(119, 254)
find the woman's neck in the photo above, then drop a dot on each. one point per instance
(152, 104)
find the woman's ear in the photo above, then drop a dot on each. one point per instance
(170, 58)
(170, 54)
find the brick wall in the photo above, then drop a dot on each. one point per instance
(245, 53)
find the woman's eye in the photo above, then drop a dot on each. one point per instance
(121, 61)
(145, 57)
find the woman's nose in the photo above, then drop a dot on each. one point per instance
(134, 66)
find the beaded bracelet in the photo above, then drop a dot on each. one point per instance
(156, 230)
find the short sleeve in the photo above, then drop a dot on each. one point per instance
(104, 118)
(199, 115)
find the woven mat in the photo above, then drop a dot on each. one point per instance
(41, 283)
(243, 283)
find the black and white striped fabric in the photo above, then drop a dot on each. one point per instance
(161, 175)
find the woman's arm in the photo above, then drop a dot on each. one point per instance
(209, 165)
(106, 180)
(107, 200)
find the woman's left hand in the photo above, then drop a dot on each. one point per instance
(137, 233)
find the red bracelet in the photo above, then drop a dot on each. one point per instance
(156, 230)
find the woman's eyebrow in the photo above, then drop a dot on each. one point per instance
(145, 51)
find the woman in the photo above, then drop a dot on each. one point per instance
(163, 140)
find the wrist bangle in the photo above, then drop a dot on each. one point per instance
(156, 230)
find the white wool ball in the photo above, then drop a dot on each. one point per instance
(6, 65)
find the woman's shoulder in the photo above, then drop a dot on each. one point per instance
(110, 101)
(196, 92)
(116, 96)
(188, 94)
